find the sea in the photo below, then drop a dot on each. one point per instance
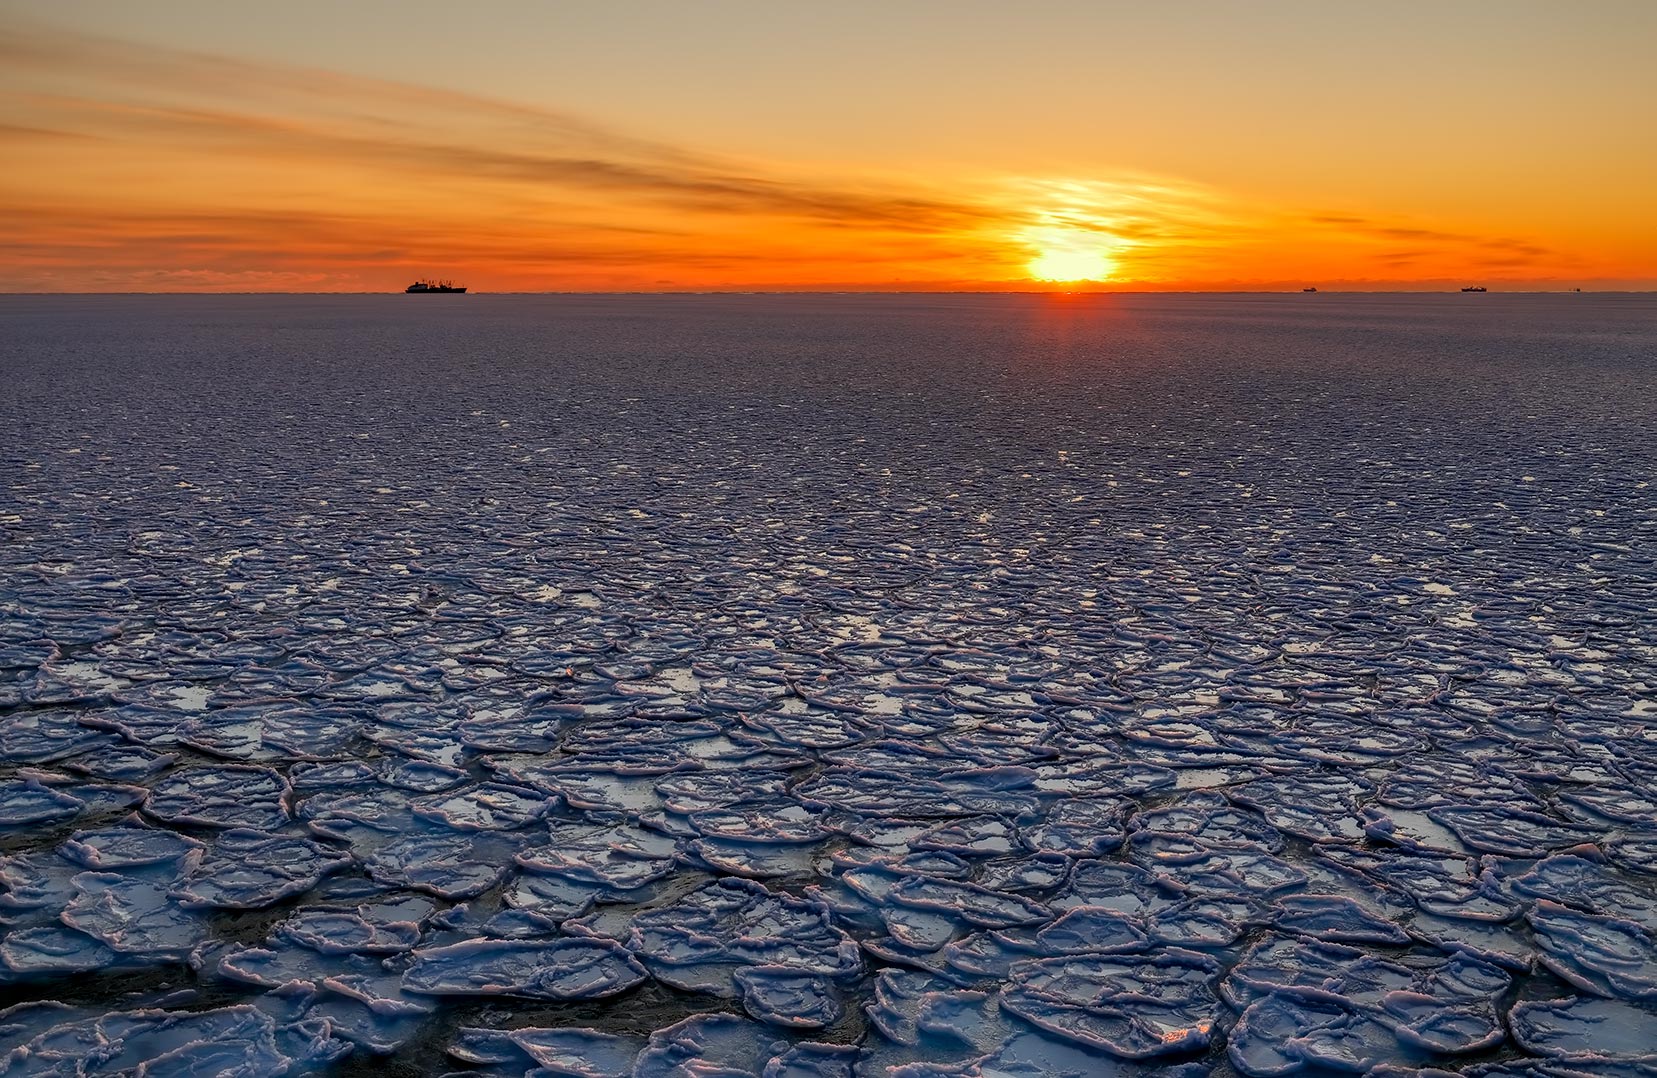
(829, 686)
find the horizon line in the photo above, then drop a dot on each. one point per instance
(886, 292)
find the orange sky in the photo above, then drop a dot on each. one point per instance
(191, 146)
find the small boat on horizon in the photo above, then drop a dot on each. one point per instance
(1475, 288)
(1308, 289)
(435, 286)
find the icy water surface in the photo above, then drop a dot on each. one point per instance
(906, 687)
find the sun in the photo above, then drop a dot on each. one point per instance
(1069, 241)
(1071, 264)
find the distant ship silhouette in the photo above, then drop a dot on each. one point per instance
(434, 286)
(1308, 289)
(1475, 288)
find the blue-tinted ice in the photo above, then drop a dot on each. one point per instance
(829, 687)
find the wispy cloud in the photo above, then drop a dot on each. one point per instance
(1428, 243)
(141, 165)
(151, 97)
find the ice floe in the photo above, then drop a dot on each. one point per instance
(823, 688)
(571, 968)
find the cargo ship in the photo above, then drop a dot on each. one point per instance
(435, 286)
(1475, 288)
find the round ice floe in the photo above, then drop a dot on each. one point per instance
(1335, 918)
(37, 883)
(991, 954)
(1090, 778)
(700, 941)
(519, 924)
(609, 851)
(273, 731)
(115, 848)
(1210, 819)
(349, 932)
(570, 968)
(127, 763)
(1585, 1030)
(1118, 886)
(627, 786)
(250, 797)
(935, 863)
(240, 1040)
(475, 1044)
(974, 904)
(1588, 885)
(1034, 1053)
(760, 861)
(810, 1059)
(1136, 1007)
(446, 865)
(1441, 884)
(420, 775)
(1284, 1034)
(1201, 922)
(920, 929)
(1505, 945)
(378, 989)
(1081, 827)
(156, 727)
(978, 836)
(919, 1010)
(579, 1053)
(107, 797)
(133, 915)
(514, 726)
(1315, 805)
(283, 964)
(702, 790)
(556, 898)
(310, 778)
(1434, 1024)
(1507, 830)
(781, 822)
(1090, 929)
(249, 869)
(491, 806)
(1039, 873)
(364, 815)
(1223, 872)
(787, 997)
(1309, 1003)
(44, 736)
(53, 949)
(1603, 955)
(27, 801)
(1277, 964)
(719, 1045)
(879, 793)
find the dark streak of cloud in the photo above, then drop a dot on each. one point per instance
(1442, 240)
(537, 148)
(27, 131)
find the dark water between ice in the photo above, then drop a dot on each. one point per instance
(1000, 685)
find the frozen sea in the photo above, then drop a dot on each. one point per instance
(829, 686)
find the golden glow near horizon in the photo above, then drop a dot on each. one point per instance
(1070, 256)
(185, 145)
(1066, 263)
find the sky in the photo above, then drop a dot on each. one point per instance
(178, 145)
